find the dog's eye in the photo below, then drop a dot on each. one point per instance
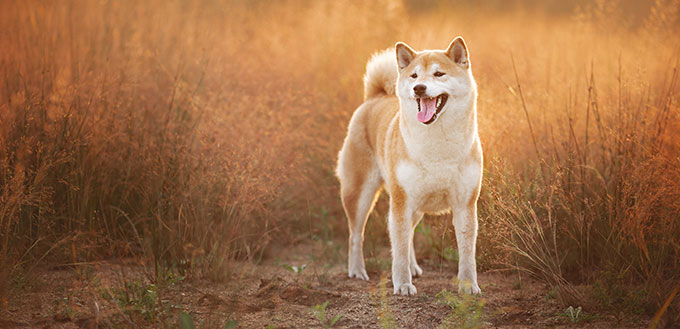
(414, 75)
(439, 74)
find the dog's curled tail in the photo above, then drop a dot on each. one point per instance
(381, 74)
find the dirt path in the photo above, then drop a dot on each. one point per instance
(271, 296)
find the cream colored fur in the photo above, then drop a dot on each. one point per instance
(381, 74)
(425, 168)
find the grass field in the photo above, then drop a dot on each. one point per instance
(193, 135)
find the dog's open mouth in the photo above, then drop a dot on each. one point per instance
(430, 107)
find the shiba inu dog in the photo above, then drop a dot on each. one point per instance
(416, 136)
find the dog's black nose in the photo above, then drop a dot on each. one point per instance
(420, 89)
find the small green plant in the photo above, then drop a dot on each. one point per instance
(611, 293)
(386, 319)
(295, 269)
(185, 321)
(450, 254)
(325, 235)
(64, 307)
(136, 298)
(576, 315)
(466, 311)
(550, 295)
(440, 248)
(322, 278)
(324, 227)
(319, 312)
(378, 264)
(167, 277)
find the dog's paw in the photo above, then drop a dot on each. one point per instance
(359, 274)
(469, 288)
(405, 289)
(416, 271)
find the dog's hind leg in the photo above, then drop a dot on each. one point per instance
(360, 182)
(358, 204)
(415, 269)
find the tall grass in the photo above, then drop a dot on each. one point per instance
(122, 134)
(196, 132)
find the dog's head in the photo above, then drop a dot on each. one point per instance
(431, 81)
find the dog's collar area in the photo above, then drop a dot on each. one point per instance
(440, 103)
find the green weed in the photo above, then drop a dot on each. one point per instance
(295, 269)
(550, 295)
(466, 311)
(324, 233)
(441, 248)
(64, 307)
(319, 312)
(386, 318)
(322, 278)
(135, 298)
(576, 315)
(185, 321)
(378, 264)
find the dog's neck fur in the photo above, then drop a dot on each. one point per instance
(451, 136)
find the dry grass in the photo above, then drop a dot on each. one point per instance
(197, 132)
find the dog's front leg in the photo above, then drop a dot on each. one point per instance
(465, 224)
(400, 234)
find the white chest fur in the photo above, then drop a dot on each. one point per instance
(436, 186)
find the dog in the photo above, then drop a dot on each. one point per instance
(415, 135)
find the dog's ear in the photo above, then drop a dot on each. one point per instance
(404, 55)
(458, 52)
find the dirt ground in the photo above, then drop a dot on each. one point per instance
(271, 296)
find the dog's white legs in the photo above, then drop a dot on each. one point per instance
(465, 223)
(358, 205)
(413, 265)
(400, 237)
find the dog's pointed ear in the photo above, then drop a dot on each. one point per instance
(404, 55)
(458, 52)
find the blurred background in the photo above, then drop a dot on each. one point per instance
(196, 133)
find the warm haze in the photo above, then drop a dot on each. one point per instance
(167, 162)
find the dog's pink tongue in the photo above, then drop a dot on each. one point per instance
(427, 109)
